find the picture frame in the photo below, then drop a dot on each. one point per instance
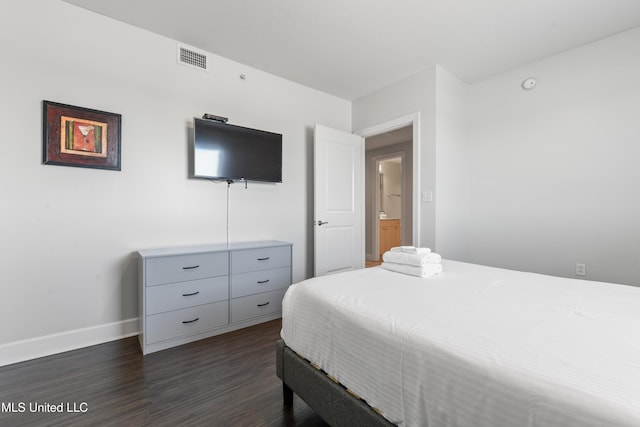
(80, 137)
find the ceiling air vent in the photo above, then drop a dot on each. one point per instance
(192, 58)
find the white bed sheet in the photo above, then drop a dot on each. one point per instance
(476, 346)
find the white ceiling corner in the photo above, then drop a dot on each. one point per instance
(350, 48)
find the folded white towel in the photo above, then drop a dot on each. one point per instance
(411, 250)
(425, 271)
(417, 259)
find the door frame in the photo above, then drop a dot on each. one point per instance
(412, 119)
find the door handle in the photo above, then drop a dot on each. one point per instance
(322, 222)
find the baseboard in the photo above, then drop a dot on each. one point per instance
(20, 351)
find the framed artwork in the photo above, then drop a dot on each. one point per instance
(81, 137)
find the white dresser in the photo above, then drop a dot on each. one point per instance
(193, 292)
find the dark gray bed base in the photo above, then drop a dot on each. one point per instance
(328, 399)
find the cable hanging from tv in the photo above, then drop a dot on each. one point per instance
(231, 181)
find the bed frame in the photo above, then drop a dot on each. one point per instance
(337, 406)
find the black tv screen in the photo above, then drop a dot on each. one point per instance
(228, 152)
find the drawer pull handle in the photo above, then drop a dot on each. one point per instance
(191, 294)
(263, 305)
(263, 259)
(193, 267)
(260, 282)
(190, 321)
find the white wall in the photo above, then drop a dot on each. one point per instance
(537, 180)
(554, 171)
(415, 94)
(453, 166)
(68, 235)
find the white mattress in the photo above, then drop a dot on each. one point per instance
(476, 346)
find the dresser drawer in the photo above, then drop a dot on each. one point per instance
(165, 326)
(180, 268)
(256, 282)
(175, 296)
(243, 261)
(256, 305)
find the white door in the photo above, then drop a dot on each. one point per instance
(339, 200)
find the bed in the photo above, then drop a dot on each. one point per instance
(475, 346)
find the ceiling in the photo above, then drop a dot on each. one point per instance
(392, 137)
(350, 48)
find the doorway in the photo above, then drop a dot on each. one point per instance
(388, 192)
(366, 215)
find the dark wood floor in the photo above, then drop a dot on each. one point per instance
(228, 380)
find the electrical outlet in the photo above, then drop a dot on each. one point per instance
(427, 196)
(581, 269)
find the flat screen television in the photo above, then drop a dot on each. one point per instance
(235, 153)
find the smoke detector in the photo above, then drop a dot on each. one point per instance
(529, 83)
